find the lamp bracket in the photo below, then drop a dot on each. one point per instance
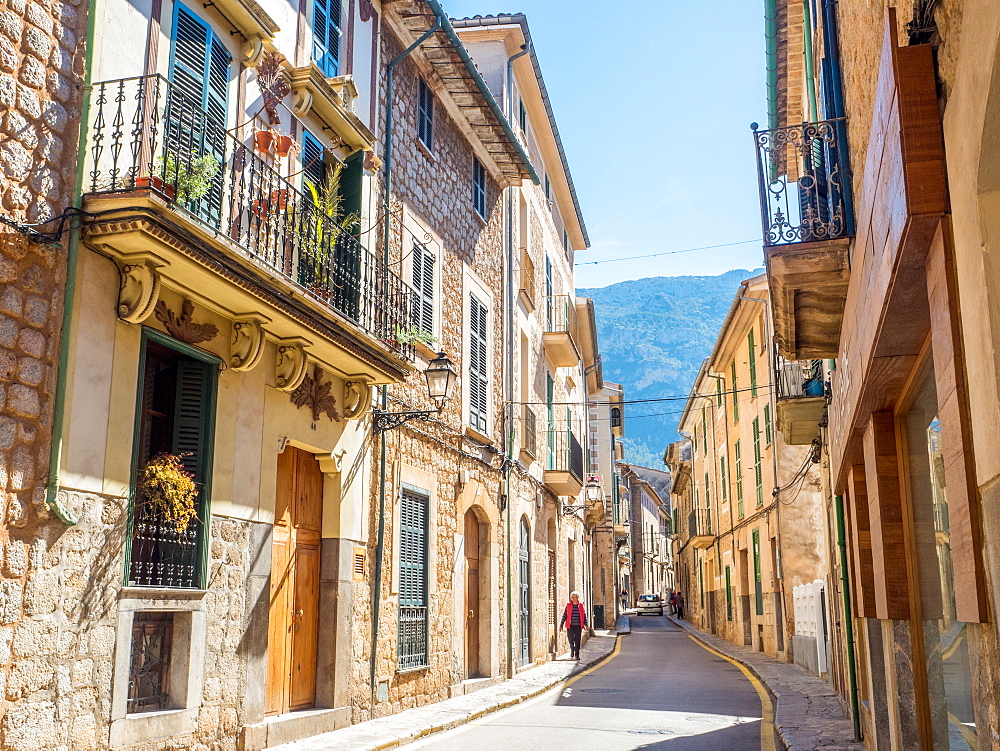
(384, 421)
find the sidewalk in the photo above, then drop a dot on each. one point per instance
(406, 726)
(808, 713)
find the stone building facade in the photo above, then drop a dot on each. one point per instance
(900, 299)
(749, 524)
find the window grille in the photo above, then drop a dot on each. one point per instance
(414, 527)
(149, 663)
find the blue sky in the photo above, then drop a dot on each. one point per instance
(654, 102)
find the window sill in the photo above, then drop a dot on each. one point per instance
(471, 432)
(425, 350)
(143, 726)
(426, 151)
(480, 217)
(407, 671)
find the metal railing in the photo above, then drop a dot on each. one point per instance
(565, 452)
(160, 555)
(699, 522)
(805, 190)
(530, 427)
(560, 315)
(412, 637)
(145, 134)
(798, 378)
(941, 521)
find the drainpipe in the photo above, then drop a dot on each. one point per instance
(380, 543)
(771, 56)
(510, 295)
(848, 618)
(65, 515)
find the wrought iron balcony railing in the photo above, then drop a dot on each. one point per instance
(560, 316)
(805, 189)
(565, 452)
(146, 134)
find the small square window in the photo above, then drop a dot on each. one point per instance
(149, 666)
(479, 187)
(425, 114)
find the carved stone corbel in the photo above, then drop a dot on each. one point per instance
(139, 286)
(357, 399)
(302, 100)
(330, 464)
(248, 342)
(290, 366)
(252, 51)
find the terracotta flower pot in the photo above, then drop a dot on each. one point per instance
(279, 199)
(282, 145)
(262, 140)
(156, 183)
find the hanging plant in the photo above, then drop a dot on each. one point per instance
(170, 490)
(273, 85)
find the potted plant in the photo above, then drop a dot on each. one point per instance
(169, 490)
(155, 182)
(262, 140)
(283, 145)
(327, 219)
(415, 335)
(189, 181)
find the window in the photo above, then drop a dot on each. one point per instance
(704, 432)
(478, 365)
(565, 242)
(758, 469)
(149, 663)
(739, 482)
(718, 392)
(176, 416)
(414, 529)
(722, 477)
(425, 114)
(616, 417)
(548, 188)
(326, 36)
(423, 283)
(758, 582)
(522, 116)
(708, 506)
(729, 596)
(198, 107)
(479, 187)
(753, 363)
(767, 424)
(736, 395)
(313, 166)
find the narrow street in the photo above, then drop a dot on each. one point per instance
(660, 690)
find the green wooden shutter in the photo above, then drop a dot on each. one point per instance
(313, 164)
(351, 187)
(718, 392)
(736, 396)
(729, 596)
(739, 481)
(326, 36)
(722, 476)
(194, 418)
(704, 431)
(758, 584)
(767, 424)
(423, 283)
(753, 363)
(758, 468)
(478, 365)
(550, 420)
(708, 506)
(413, 528)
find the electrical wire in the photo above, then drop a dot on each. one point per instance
(669, 252)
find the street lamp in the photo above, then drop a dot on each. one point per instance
(440, 378)
(593, 493)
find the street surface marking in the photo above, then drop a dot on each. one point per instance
(766, 709)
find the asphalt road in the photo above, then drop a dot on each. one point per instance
(661, 691)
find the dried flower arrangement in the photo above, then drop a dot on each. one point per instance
(170, 490)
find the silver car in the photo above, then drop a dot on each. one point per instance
(649, 605)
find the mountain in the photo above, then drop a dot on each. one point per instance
(653, 336)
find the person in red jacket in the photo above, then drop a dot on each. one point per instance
(574, 619)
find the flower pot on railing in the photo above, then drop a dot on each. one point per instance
(262, 140)
(277, 201)
(153, 182)
(282, 145)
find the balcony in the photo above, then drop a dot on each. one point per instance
(526, 291)
(562, 331)
(700, 528)
(800, 399)
(529, 432)
(807, 221)
(251, 226)
(564, 462)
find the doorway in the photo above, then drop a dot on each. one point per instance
(472, 594)
(524, 601)
(293, 626)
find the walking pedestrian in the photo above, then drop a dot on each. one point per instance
(574, 619)
(673, 602)
(679, 604)
(624, 598)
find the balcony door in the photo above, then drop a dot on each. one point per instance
(293, 627)
(197, 110)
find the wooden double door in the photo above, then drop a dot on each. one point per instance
(293, 630)
(472, 594)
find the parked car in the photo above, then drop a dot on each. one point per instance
(649, 604)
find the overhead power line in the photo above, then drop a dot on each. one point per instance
(669, 252)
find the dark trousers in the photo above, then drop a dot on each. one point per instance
(680, 611)
(573, 633)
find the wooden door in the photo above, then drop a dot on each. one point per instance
(293, 629)
(471, 594)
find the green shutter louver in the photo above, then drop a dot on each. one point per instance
(757, 463)
(739, 481)
(423, 283)
(753, 363)
(194, 416)
(722, 476)
(414, 534)
(313, 165)
(758, 583)
(351, 188)
(767, 424)
(478, 365)
(736, 396)
(326, 36)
